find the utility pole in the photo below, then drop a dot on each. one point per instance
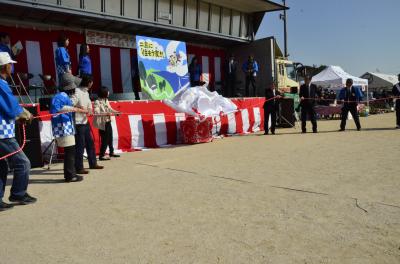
(284, 18)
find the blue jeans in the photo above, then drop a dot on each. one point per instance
(19, 163)
(84, 139)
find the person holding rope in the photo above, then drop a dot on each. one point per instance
(83, 136)
(10, 156)
(308, 93)
(102, 121)
(270, 107)
(350, 96)
(63, 124)
(396, 93)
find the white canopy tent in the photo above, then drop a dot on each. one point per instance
(334, 77)
(379, 81)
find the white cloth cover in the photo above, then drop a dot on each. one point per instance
(334, 77)
(202, 100)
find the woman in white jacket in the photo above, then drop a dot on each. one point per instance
(102, 120)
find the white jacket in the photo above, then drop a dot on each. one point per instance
(81, 99)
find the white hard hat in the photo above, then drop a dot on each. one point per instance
(5, 59)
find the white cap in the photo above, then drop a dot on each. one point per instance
(5, 59)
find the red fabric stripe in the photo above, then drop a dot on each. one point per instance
(262, 118)
(224, 125)
(116, 70)
(149, 132)
(251, 119)
(170, 123)
(124, 132)
(239, 122)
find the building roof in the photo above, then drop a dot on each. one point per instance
(249, 6)
(390, 78)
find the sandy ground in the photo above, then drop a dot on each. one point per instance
(316, 198)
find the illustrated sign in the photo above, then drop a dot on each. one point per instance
(163, 67)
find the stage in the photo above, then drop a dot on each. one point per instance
(152, 124)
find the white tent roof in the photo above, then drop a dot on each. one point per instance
(378, 81)
(334, 77)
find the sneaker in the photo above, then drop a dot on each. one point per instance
(97, 167)
(77, 178)
(22, 200)
(82, 171)
(359, 129)
(115, 156)
(315, 131)
(104, 158)
(5, 206)
(265, 133)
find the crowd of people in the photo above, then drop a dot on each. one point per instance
(349, 97)
(71, 106)
(249, 68)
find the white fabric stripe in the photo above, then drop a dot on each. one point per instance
(206, 71)
(246, 121)
(137, 131)
(54, 59)
(105, 68)
(115, 132)
(34, 61)
(161, 129)
(231, 124)
(257, 119)
(179, 117)
(46, 134)
(126, 70)
(217, 69)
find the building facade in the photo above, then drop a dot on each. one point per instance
(211, 29)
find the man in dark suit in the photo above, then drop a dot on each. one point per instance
(350, 96)
(231, 71)
(308, 93)
(270, 107)
(396, 93)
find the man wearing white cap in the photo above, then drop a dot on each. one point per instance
(10, 111)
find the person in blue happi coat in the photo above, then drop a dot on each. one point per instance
(85, 64)
(62, 58)
(10, 112)
(350, 96)
(5, 44)
(63, 124)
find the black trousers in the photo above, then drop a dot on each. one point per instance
(250, 79)
(231, 87)
(135, 88)
(308, 110)
(106, 137)
(69, 162)
(398, 112)
(84, 139)
(352, 108)
(269, 112)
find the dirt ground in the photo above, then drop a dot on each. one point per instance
(291, 198)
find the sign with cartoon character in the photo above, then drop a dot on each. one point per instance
(163, 67)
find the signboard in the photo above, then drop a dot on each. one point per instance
(110, 39)
(163, 67)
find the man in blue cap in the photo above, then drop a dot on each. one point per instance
(10, 111)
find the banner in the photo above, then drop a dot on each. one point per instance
(163, 67)
(110, 39)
